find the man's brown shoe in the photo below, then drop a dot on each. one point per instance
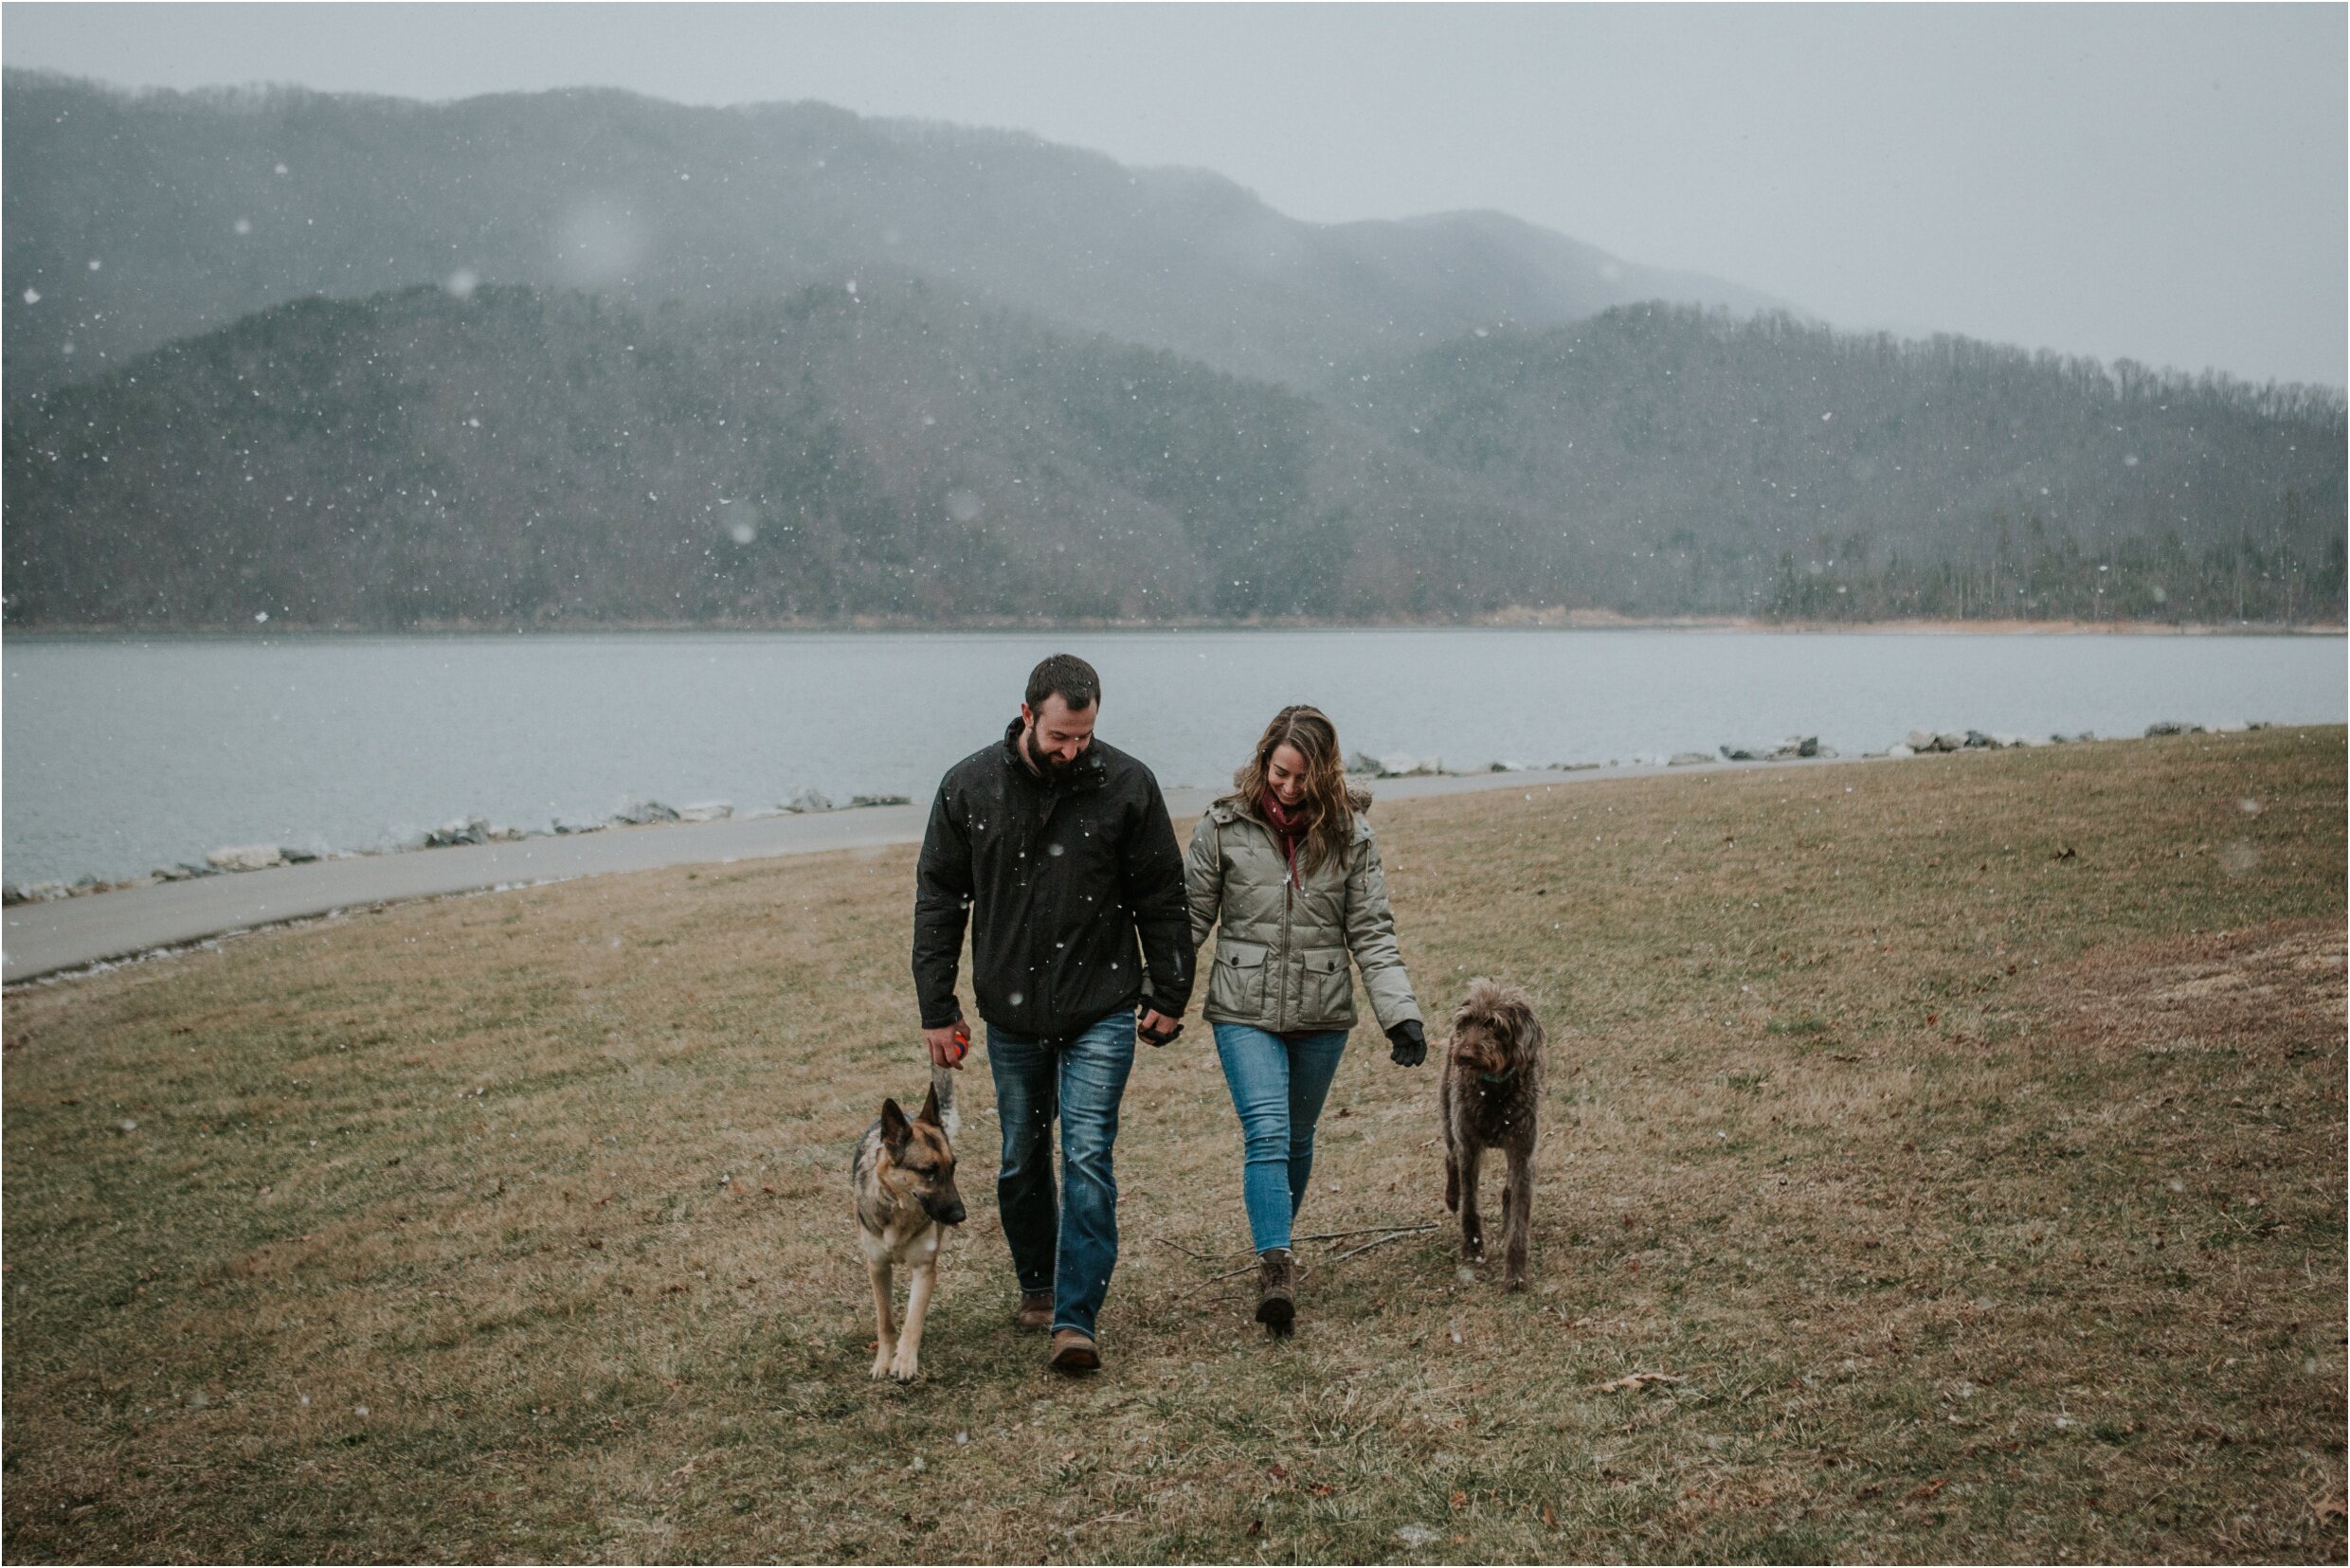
(1036, 1311)
(1074, 1351)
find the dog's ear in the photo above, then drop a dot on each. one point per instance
(1525, 1030)
(895, 1131)
(930, 1107)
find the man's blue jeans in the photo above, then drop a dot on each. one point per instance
(1081, 1080)
(1279, 1083)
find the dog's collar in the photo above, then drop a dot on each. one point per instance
(1494, 1079)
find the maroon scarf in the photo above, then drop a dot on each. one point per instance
(1290, 823)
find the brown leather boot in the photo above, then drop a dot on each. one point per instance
(1074, 1351)
(1036, 1311)
(1276, 1290)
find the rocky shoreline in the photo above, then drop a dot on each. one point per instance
(642, 812)
(449, 835)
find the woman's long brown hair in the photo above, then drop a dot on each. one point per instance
(1330, 820)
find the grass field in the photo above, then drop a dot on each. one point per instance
(1945, 1160)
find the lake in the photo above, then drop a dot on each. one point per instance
(124, 753)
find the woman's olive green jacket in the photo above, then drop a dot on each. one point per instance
(1281, 950)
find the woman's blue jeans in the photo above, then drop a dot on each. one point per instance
(1079, 1080)
(1279, 1083)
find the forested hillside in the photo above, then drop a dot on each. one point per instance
(1717, 464)
(134, 219)
(520, 457)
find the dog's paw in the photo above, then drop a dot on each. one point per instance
(882, 1360)
(904, 1369)
(1514, 1283)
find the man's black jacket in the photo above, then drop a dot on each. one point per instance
(1057, 878)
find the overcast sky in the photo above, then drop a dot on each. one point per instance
(2164, 182)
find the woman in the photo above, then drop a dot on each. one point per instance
(1286, 868)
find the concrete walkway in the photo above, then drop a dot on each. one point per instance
(72, 933)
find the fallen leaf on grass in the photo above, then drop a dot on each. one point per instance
(1320, 1491)
(1922, 1493)
(1550, 1515)
(1279, 1472)
(2332, 1509)
(1639, 1380)
(1460, 1500)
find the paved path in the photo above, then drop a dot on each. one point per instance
(70, 933)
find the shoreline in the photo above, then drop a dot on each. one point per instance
(53, 939)
(57, 938)
(1520, 619)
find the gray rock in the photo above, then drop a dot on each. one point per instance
(295, 856)
(1402, 765)
(809, 800)
(246, 858)
(504, 836)
(1740, 754)
(1796, 746)
(2233, 726)
(880, 799)
(566, 826)
(11, 895)
(1686, 759)
(1950, 740)
(1919, 740)
(458, 830)
(706, 811)
(1903, 749)
(2172, 727)
(1364, 766)
(42, 893)
(638, 813)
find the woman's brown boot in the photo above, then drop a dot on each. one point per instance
(1276, 1290)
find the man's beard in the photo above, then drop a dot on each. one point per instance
(1044, 762)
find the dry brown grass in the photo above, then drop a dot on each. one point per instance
(1976, 1203)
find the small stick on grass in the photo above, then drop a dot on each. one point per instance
(1369, 1230)
(1391, 1236)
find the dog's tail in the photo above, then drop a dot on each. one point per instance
(942, 1086)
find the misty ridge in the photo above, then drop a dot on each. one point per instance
(588, 358)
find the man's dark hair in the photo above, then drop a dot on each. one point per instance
(1066, 677)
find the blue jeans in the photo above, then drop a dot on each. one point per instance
(1080, 1079)
(1279, 1083)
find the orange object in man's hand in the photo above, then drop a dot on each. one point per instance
(948, 1043)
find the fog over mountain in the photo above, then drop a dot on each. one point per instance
(202, 208)
(590, 359)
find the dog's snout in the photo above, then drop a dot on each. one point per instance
(948, 1213)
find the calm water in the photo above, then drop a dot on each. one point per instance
(122, 754)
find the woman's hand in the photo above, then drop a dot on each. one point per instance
(1410, 1042)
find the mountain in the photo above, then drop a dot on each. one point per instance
(127, 221)
(517, 456)
(1700, 463)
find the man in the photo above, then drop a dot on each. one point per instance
(1057, 848)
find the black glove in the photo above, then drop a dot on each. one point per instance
(1410, 1042)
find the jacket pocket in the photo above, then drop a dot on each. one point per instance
(1236, 986)
(1329, 991)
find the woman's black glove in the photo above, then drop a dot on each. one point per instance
(1410, 1042)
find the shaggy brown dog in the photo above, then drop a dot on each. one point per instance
(1489, 1096)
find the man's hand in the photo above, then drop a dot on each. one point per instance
(1410, 1042)
(947, 1042)
(1157, 1027)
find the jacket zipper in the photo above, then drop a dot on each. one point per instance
(1281, 1008)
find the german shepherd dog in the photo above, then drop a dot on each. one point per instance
(903, 1180)
(1489, 1097)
